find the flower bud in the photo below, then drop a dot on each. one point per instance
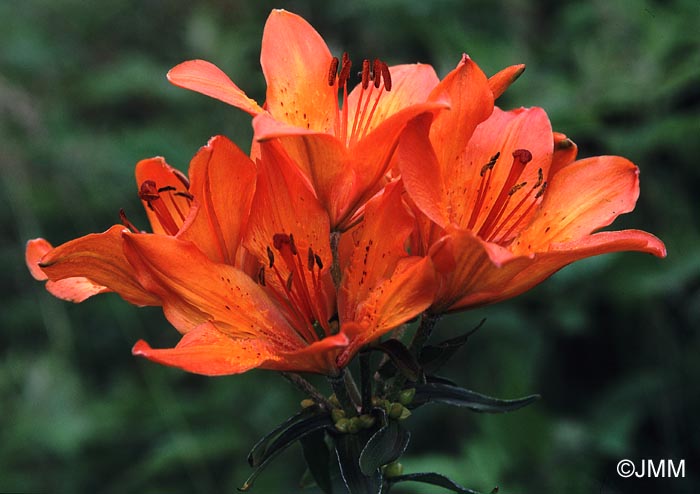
(393, 469)
(395, 410)
(355, 425)
(343, 425)
(307, 403)
(367, 421)
(337, 414)
(406, 396)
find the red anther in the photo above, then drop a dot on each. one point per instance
(270, 256)
(148, 191)
(541, 191)
(516, 188)
(344, 71)
(540, 178)
(167, 188)
(261, 276)
(310, 260)
(318, 261)
(523, 155)
(377, 72)
(386, 75)
(365, 74)
(333, 71)
(490, 164)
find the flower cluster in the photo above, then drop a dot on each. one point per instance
(358, 209)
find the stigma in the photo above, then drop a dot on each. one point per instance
(375, 80)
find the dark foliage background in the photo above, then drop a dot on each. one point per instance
(612, 343)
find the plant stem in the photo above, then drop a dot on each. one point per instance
(425, 329)
(339, 385)
(306, 387)
(366, 381)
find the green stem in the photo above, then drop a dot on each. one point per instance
(366, 381)
(306, 387)
(425, 329)
(339, 385)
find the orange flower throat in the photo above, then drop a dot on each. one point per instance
(376, 79)
(497, 220)
(301, 293)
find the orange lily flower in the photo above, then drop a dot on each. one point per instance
(209, 209)
(508, 205)
(284, 317)
(344, 148)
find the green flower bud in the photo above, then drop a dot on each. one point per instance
(355, 425)
(337, 414)
(307, 403)
(405, 413)
(343, 425)
(406, 396)
(334, 400)
(367, 421)
(393, 469)
(395, 410)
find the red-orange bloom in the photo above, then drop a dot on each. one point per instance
(503, 204)
(240, 261)
(206, 209)
(344, 148)
(286, 316)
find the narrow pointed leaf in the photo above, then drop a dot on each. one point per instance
(460, 397)
(401, 357)
(266, 452)
(318, 459)
(433, 479)
(385, 446)
(432, 357)
(258, 449)
(348, 448)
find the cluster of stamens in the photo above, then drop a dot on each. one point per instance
(375, 79)
(163, 201)
(492, 228)
(301, 292)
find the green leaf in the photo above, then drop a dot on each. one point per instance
(432, 479)
(318, 459)
(460, 397)
(259, 448)
(432, 357)
(348, 448)
(273, 444)
(385, 446)
(401, 357)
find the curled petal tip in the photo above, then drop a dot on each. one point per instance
(141, 349)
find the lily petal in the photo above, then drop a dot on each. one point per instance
(206, 78)
(407, 293)
(208, 351)
(195, 290)
(86, 266)
(502, 79)
(471, 102)
(411, 84)
(495, 282)
(222, 183)
(581, 198)
(295, 61)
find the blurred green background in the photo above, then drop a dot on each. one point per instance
(612, 343)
